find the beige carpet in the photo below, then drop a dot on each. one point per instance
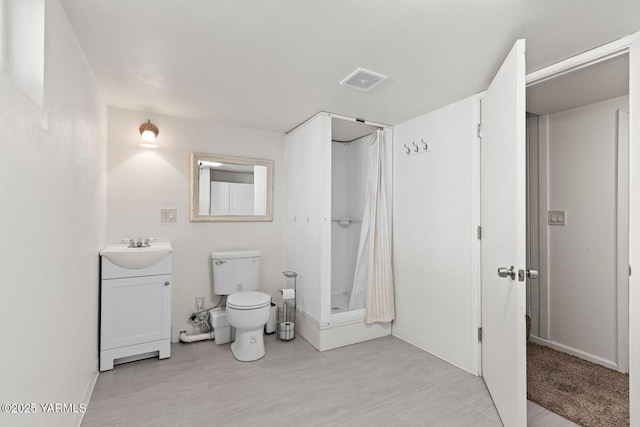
(587, 394)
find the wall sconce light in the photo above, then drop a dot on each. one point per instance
(148, 132)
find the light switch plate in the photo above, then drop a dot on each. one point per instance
(168, 215)
(557, 217)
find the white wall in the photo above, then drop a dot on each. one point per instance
(582, 289)
(24, 47)
(434, 242)
(142, 181)
(259, 197)
(53, 174)
(349, 168)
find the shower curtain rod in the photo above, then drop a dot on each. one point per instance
(341, 117)
(353, 119)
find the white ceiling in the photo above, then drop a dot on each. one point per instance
(596, 83)
(273, 64)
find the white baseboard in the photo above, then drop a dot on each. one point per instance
(574, 352)
(338, 335)
(86, 396)
(344, 334)
(308, 329)
(429, 346)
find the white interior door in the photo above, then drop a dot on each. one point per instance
(634, 231)
(503, 218)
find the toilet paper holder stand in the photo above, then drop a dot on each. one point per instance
(287, 314)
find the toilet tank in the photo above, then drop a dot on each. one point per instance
(235, 271)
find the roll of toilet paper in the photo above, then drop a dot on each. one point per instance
(288, 293)
(287, 331)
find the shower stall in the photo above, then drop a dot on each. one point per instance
(349, 164)
(327, 163)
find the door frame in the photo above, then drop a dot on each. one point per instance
(621, 250)
(622, 238)
(625, 182)
(591, 57)
(627, 45)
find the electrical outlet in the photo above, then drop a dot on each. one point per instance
(199, 303)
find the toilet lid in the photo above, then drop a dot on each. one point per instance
(250, 300)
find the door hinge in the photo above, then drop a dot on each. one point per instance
(479, 334)
(629, 270)
(479, 131)
(479, 233)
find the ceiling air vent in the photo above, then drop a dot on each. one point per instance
(362, 79)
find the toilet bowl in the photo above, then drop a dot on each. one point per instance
(236, 274)
(248, 312)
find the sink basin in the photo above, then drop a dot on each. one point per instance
(127, 257)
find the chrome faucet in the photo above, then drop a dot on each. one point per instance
(148, 240)
(133, 243)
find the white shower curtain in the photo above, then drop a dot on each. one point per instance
(373, 281)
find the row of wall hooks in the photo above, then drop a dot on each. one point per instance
(417, 148)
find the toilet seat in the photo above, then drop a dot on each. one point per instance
(251, 300)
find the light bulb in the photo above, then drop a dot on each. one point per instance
(148, 139)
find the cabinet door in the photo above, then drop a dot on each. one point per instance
(135, 310)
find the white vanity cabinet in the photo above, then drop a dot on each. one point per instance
(135, 312)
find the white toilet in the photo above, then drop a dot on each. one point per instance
(236, 274)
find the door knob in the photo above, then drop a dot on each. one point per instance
(167, 283)
(510, 272)
(532, 274)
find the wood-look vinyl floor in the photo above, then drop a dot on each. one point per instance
(383, 382)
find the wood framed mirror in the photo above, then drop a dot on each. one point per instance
(228, 188)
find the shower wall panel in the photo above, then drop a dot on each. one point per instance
(308, 214)
(348, 185)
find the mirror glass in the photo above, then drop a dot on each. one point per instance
(227, 188)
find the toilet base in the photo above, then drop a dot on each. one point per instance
(248, 345)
